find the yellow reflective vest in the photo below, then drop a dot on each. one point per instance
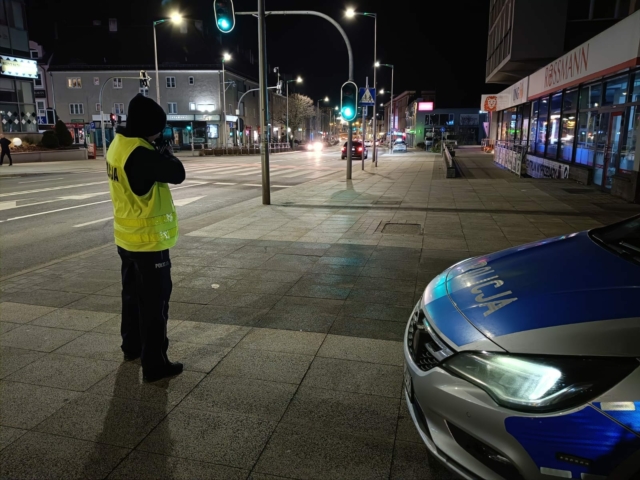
(141, 224)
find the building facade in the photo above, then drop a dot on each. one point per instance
(18, 71)
(193, 98)
(577, 117)
(426, 124)
(398, 118)
(525, 35)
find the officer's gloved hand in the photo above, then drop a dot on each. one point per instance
(166, 149)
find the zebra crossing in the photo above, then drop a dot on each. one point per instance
(206, 171)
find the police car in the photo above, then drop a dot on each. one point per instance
(525, 363)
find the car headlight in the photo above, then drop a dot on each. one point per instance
(539, 384)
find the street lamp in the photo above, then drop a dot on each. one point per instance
(175, 18)
(297, 80)
(325, 99)
(351, 12)
(225, 58)
(391, 116)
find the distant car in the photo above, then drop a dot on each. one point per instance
(399, 146)
(315, 146)
(357, 150)
(368, 143)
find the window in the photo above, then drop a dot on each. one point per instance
(634, 91)
(569, 106)
(585, 146)
(76, 109)
(97, 107)
(74, 82)
(192, 105)
(171, 82)
(172, 107)
(541, 133)
(144, 91)
(604, 9)
(118, 108)
(590, 96)
(33, 54)
(526, 111)
(628, 151)
(38, 81)
(41, 108)
(117, 82)
(615, 90)
(553, 127)
(192, 81)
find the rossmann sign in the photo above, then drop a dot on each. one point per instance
(613, 50)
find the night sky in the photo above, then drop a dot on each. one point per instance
(433, 45)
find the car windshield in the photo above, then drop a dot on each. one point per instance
(622, 238)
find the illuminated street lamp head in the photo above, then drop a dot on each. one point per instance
(176, 17)
(299, 79)
(226, 57)
(351, 12)
(326, 99)
(382, 91)
(377, 64)
(337, 108)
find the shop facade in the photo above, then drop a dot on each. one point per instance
(579, 117)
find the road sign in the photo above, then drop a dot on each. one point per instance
(93, 125)
(367, 97)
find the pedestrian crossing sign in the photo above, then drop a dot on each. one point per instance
(367, 97)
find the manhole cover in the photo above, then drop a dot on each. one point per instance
(577, 191)
(402, 229)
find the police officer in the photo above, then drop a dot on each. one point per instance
(145, 228)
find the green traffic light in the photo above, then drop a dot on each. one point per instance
(347, 112)
(224, 24)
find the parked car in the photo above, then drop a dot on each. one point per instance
(399, 146)
(357, 150)
(524, 363)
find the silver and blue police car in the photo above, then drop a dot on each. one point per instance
(525, 363)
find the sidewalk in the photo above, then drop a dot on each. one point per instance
(289, 319)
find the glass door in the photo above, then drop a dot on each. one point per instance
(601, 136)
(613, 148)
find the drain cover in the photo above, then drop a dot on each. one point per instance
(402, 229)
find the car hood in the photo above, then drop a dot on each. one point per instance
(563, 295)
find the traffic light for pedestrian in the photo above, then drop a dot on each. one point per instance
(349, 101)
(113, 119)
(225, 15)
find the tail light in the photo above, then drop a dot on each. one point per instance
(344, 148)
(359, 149)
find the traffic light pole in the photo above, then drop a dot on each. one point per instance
(104, 140)
(264, 105)
(263, 74)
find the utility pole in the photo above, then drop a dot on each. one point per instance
(264, 104)
(364, 126)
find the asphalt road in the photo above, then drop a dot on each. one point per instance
(53, 210)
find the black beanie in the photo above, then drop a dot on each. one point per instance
(145, 117)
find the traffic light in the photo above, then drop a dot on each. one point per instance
(349, 101)
(144, 79)
(225, 15)
(113, 119)
(188, 128)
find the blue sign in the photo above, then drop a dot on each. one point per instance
(93, 125)
(367, 97)
(442, 129)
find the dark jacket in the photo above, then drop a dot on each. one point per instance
(4, 144)
(144, 167)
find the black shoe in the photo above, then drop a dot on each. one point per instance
(129, 357)
(168, 370)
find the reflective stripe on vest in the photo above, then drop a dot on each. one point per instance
(145, 223)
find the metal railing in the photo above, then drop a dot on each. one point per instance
(510, 155)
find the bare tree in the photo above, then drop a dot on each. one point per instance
(300, 108)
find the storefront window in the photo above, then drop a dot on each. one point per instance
(585, 146)
(635, 88)
(543, 115)
(526, 111)
(628, 150)
(533, 132)
(570, 104)
(590, 96)
(554, 125)
(509, 125)
(518, 134)
(615, 91)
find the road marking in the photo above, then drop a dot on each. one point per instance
(46, 180)
(251, 185)
(252, 172)
(57, 210)
(282, 171)
(297, 174)
(186, 201)
(24, 192)
(224, 183)
(95, 221)
(282, 186)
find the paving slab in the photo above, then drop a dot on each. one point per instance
(196, 357)
(411, 461)
(8, 435)
(384, 352)
(150, 466)
(242, 396)
(21, 312)
(41, 339)
(221, 438)
(306, 343)
(208, 334)
(13, 359)
(69, 319)
(100, 346)
(45, 298)
(96, 303)
(368, 328)
(298, 452)
(265, 365)
(40, 455)
(229, 315)
(25, 406)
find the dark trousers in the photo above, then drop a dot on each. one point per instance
(8, 154)
(146, 290)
